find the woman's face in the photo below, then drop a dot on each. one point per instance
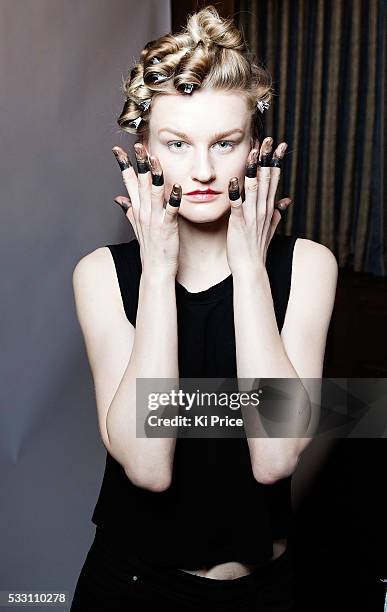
(202, 140)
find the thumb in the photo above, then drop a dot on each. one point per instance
(124, 202)
(127, 208)
(282, 205)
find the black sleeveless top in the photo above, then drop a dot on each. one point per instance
(214, 511)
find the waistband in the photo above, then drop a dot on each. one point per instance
(192, 585)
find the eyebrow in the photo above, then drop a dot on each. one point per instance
(214, 136)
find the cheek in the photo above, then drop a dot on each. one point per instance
(171, 168)
(174, 172)
(236, 167)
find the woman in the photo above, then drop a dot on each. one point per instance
(201, 292)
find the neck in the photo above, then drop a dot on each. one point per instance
(202, 250)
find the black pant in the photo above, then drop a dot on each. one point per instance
(109, 583)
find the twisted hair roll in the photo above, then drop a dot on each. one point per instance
(209, 52)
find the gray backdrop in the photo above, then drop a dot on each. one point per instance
(61, 63)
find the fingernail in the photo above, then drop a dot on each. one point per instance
(265, 155)
(157, 173)
(124, 205)
(252, 164)
(122, 158)
(141, 158)
(278, 155)
(176, 195)
(284, 205)
(233, 189)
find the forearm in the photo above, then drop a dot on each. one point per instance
(148, 461)
(260, 354)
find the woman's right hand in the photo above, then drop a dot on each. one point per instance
(156, 227)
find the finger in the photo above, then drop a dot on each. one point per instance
(172, 207)
(278, 155)
(251, 188)
(278, 215)
(263, 182)
(157, 190)
(235, 199)
(276, 218)
(124, 202)
(144, 181)
(283, 204)
(130, 179)
(126, 206)
(273, 185)
(128, 174)
(265, 152)
(275, 176)
(276, 172)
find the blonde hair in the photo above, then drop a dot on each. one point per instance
(209, 52)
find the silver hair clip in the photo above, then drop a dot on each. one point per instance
(145, 104)
(136, 122)
(155, 60)
(263, 105)
(159, 78)
(188, 87)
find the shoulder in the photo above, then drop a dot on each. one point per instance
(311, 302)
(93, 264)
(313, 285)
(314, 262)
(315, 249)
(94, 276)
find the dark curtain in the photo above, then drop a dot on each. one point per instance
(326, 58)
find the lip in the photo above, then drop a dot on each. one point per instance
(203, 196)
(201, 191)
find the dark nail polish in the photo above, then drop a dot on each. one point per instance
(124, 206)
(276, 162)
(265, 161)
(252, 164)
(142, 167)
(157, 180)
(122, 159)
(176, 195)
(156, 171)
(141, 159)
(233, 189)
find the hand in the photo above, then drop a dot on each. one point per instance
(252, 222)
(154, 223)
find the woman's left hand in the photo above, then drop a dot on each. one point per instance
(252, 222)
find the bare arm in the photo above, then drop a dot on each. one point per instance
(297, 353)
(148, 461)
(118, 354)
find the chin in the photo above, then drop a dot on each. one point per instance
(202, 213)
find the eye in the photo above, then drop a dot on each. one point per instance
(177, 145)
(171, 145)
(227, 142)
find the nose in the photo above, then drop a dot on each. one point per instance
(202, 167)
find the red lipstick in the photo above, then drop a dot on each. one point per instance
(202, 195)
(201, 191)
